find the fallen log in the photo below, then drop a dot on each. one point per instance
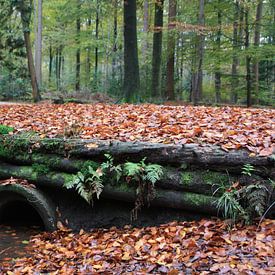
(201, 182)
(125, 192)
(191, 156)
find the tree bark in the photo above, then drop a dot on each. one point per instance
(197, 76)
(157, 48)
(38, 44)
(248, 62)
(50, 63)
(218, 66)
(96, 47)
(25, 18)
(114, 59)
(235, 59)
(77, 65)
(131, 65)
(257, 35)
(88, 57)
(170, 84)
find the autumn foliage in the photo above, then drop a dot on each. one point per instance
(204, 247)
(230, 127)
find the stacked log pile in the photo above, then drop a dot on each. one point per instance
(192, 172)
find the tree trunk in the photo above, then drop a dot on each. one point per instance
(257, 34)
(88, 57)
(38, 45)
(170, 85)
(248, 61)
(235, 59)
(50, 63)
(145, 28)
(218, 66)
(114, 59)
(131, 66)
(77, 65)
(96, 38)
(25, 18)
(157, 48)
(197, 77)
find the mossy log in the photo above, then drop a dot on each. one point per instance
(189, 155)
(202, 182)
(125, 192)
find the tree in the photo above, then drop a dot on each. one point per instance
(170, 89)
(25, 8)
(38, 44)
(131, 65)
(157, 48)
(257, 34)
(197, 76)
(77, 66)
(218, 49)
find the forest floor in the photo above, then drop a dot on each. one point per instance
(203, 247)
(230, 127)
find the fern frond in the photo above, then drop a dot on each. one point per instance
(153, 173)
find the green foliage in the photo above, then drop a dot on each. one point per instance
(4, 129)
(256, 196)
(89, 181)
(145, 175)
(40, 169)
(229, 202)
(244, 202)
(248, 169)
(87, 185)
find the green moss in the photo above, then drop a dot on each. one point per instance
(197, 199)
(4, 129)
(186, 178)
(40, 169)
(215, 178)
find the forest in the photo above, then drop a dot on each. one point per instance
(137, 137)
(199, 52)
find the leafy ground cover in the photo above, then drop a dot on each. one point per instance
(230, 127)
(202, 247)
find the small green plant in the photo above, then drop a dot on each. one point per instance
(87, 185)
(145, 175)
(248, 169)
(4, 129)
(89, 181)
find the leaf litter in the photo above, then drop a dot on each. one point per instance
(199, 247)
(232, 128)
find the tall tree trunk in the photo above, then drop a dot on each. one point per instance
(57, 74)
(235, 59)
(26, 18)
(77, 65)
(157, 47)
(60, 61)
(88, 57)
(145, 28)
(257, 33)
(197, 76)
(248, 61)
(96, 37)
(218, 66)
(131, 66)
(170, 84)
(114, 59)
(38, 44)
(50, 63)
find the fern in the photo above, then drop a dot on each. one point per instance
(256, 196)
(153, 173)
